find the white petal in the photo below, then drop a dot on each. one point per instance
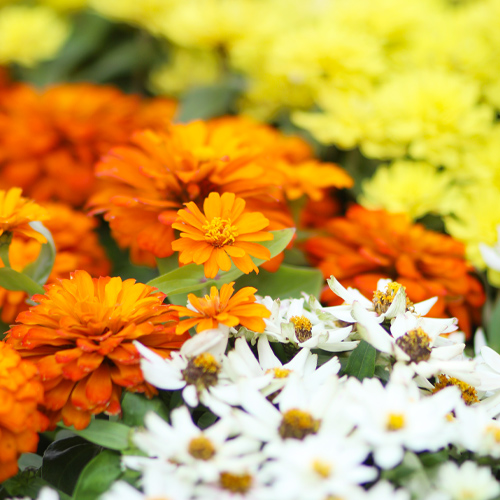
(190, 396)
(490, 256)
(267, 358)
(422, 308)
(371, 331)
(491, 357)
(213, 341)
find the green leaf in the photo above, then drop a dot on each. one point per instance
(29, 461)
(13, 280)
(207, 102)
(493, 328)
(167, 264)
(135, 406)
(361, 362)
(111, 435)
(206, 420)
(64, 459)
(191, 278)
(287, 282)
(27, 485)
(98, 475)
(40, 270)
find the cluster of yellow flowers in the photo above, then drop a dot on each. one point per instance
(413, 84)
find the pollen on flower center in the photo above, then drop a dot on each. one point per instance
(322, 468)
(416, 343)
(469, 393)
(303, 328)
(279, 372)
(395, 421)
(236, 483)
(298, 424)
(202, 371)
(201, 448)
(219, 232)
(383, 300)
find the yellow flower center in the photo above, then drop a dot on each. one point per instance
(416, 343)
(322, 468)
(298, 424)
(219, 232)
(279, 372)
(201, 448)
(469, 393)
(383, 300)
(303, 328)
(202, 371)
(236, 483)
(206, 361)
(494, 430)
(395, 421)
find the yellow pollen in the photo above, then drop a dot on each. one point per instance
(450, 417)
(219, 232)
(416, 344)
(383, 300)
(279, 372)
(395, 421)
(298, 424)
(201, 448)
(494, 430)
(323, 469)
(236, 483)
(469, 393)
(303, 328)
(207, 362)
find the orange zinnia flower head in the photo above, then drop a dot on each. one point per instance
(77, 247)
(20, 421)
(226, 309)
(367, 245)
(17, 212)
(80, 337)
(223, 233)
(145, 183)
(50, 139)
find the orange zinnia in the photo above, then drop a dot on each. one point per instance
(20, 421)
(77, 247)
(50, 139)
(17, 212)
(145, 183)
(221, 234)
(365, 245)
(227, 309)
(80, 336)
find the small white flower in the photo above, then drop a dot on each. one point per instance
(466, 482)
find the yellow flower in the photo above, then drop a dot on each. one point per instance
(414, 188)
(30, 34)
(17, 212)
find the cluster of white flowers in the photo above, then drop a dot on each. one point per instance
(310, 425)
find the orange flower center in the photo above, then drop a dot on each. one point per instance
(219, 232)
(298, 424)
(469, 393)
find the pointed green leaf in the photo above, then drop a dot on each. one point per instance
(191, 278)
(493, 328)
(111, 435)
(98, 475)
(13, 280)
(361, 362)
(287, 282)
(135, 406)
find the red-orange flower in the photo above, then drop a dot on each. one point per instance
(365, 245)
(227, 309)
(221, 234)
(80, 336)
(50, 139)
(147, 182)
(77, 247)
(20, 421)
(17, 212)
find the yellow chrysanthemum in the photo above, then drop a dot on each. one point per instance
(414, 188)
(30, 34)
